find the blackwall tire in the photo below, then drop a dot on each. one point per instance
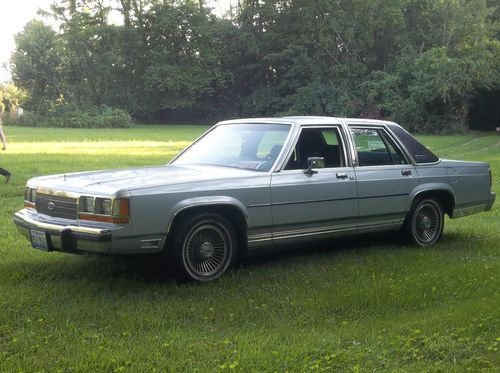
(425, 222)
(203, 248)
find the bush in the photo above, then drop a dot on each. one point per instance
(68, 116)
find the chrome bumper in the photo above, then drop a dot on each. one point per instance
(67, 238)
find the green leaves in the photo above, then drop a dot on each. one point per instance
(419, 62)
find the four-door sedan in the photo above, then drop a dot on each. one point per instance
(248, 184)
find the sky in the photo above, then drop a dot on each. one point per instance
(16, 13)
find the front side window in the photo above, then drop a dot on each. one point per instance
(251, 146)
(317, 142)
(375, 148)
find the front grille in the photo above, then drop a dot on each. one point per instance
(57, 206)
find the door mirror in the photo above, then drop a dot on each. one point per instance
(312, 163)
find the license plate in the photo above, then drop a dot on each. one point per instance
(39, 240)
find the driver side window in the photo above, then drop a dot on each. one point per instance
(317, 142)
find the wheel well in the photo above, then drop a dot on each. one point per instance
(232, 213)
(443, 196)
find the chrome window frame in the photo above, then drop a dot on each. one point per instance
(340, 130)
(389, 134)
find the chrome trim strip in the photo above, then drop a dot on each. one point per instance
(259, 205)
(326, 200)
(60, 193)
(260, 237)
(151, 244)
(321, 231)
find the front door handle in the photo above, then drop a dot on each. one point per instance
(406, 172)
(341, 175)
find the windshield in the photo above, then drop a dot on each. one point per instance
(247, 146)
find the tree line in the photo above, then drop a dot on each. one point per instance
(419, 62)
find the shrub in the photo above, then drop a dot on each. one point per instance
(69, 116)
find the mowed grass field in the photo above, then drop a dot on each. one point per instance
(369, 303)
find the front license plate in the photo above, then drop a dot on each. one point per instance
(39, 240)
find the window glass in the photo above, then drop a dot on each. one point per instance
(331, 136)
(418, 152)
(271, 144)
(374, 148)
(396, 155)
(248, 146)
(317, 142)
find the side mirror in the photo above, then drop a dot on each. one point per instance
(312, 163)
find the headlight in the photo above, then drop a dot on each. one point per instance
(29, 197)
(87, 204)
(104, 206)
(109, 210)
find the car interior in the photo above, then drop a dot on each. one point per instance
(312, 143)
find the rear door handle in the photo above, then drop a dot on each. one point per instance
(406, 172)
(341, 175)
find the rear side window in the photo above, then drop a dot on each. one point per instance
(418, 152)
(375, 148)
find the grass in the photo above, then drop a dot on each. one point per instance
(364, 304)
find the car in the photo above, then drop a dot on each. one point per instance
(247, 185)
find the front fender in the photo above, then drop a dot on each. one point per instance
(206, 201)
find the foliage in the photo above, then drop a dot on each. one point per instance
(71, 116)
(365, 304)
(10, 97)
(419, 62)
(36, 62)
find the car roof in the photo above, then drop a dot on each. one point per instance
(307, 120)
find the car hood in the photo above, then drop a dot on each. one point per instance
(112, 181)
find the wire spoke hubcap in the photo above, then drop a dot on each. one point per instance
(206, 250)
(427, 223)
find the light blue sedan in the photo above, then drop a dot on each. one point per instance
(249, 184)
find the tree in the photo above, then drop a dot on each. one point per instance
(186, 67)
(419, 62)
(36, 63)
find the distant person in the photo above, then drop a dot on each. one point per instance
(3, 171)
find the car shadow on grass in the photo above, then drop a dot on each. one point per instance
(149, 269)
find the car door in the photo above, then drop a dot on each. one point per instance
(385, 177)
(319, 204)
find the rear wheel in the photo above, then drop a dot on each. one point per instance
(425, 222)
(203, 248)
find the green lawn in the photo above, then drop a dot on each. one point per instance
(363, 304)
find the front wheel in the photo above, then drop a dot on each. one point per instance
(203, 248)
(425, 222)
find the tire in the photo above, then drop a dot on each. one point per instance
(203, 248)
(425, 222)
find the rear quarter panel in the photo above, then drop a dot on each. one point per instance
(468, 181)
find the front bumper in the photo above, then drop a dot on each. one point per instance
(61, 237)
